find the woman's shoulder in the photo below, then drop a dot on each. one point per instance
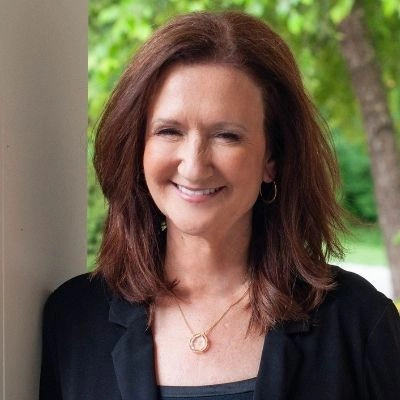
(356, 299)
(80, 293)
(351, 286)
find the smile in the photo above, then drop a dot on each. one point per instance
(198, 192)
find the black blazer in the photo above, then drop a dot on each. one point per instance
(96, 347)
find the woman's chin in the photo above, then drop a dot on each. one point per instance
(192, 228)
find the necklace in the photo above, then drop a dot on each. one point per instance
(199, 342)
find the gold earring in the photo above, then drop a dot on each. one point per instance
(273, 197)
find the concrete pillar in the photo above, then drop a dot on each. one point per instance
(43, 119)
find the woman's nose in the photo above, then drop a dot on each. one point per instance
(195, 163)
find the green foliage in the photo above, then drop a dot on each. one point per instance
(118, 27)
(358, 195)
(340, 10)
(390, 8)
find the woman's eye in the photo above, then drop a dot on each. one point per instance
(228, 136)
(168, 132)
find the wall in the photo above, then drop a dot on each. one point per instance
(43, 118)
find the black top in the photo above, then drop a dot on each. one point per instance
(97, 347)
(242, 390)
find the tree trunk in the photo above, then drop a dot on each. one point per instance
(365, 75)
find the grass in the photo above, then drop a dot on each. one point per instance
(365, 246)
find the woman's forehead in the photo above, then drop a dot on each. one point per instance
(219, 92)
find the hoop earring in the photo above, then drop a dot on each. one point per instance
(273, 197)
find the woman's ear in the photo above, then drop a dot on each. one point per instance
(269, 171)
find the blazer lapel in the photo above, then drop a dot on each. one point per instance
(133, 354)
(280, 361)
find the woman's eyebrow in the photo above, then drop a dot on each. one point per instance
(229, 124)
(164, 121)
(216, 125)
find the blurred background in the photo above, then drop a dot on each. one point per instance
(348, 53)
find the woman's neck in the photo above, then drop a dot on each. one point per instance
(206, 267)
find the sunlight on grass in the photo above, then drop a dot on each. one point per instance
(365, 246)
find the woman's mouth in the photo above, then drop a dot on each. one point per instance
(197, 192)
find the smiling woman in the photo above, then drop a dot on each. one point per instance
(213, 279)
(205, 155)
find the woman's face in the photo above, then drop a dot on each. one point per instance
(205, 153)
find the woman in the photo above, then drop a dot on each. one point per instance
(212, 278)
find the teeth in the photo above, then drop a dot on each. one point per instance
(202, 192)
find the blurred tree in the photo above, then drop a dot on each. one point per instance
(367, 82)
(118, 27)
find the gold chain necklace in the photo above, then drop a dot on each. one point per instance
(199, 342)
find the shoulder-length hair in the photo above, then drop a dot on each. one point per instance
(292, 238)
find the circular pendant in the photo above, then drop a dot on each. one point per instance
(199, 343)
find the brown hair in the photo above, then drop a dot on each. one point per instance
(292, 238)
